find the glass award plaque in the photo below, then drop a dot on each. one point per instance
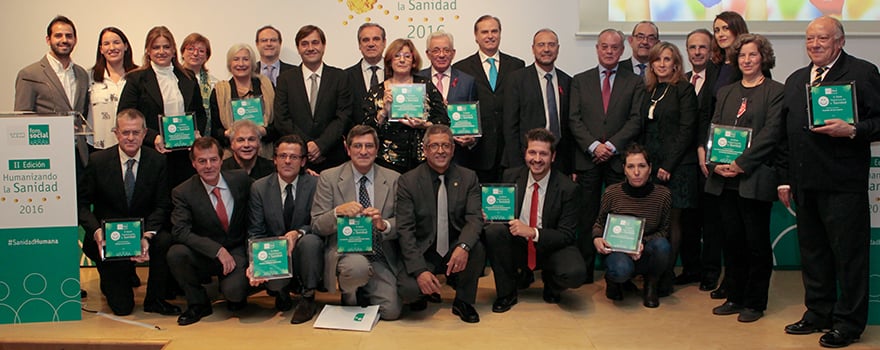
(499, 201)
(409, 102)
(269, 258)
(354, 234)
(464, 119)
(726, 143)
(179, 132)
(248, 109)
(624, 233)
(832, 100)
(122, 238)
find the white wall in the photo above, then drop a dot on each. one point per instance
(227, 22)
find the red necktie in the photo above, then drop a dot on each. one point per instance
(606, 89)
(220, 208)
(533, 222)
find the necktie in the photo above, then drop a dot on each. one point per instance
(641, 69)
(220, 208)
(606, 89)
(364, 200)
(552, 111)
(313, 95)
(694, 80)
(374, 79)
(442, 219)
(288, 207)
(819, 72)
(533, 222)
(269, 73)
(439, 84)
(493, 73)
(129, 180)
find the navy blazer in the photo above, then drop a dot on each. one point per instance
(462, 87)
(195, 223)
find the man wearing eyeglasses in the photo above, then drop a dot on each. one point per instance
(244, 139)
(454, 85)
(644, 36)
(356, 188)
(289, 191)
(439, 222)
(269, 45)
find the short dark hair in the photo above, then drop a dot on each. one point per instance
(257, 35)
(60, 19)
(370, 25)
(486, 18)
(437, 129)
(308, 29)
(203, 143)
(699, 31)
(541, 135)
(361, 130)
(635, 148)
(131, 114)
(292, 138)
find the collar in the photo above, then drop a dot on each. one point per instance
(602, 69)
(496, 56)
(542, 73)
(365, 66)
(163, 71)
(308, 72)
(828, 66)
(282, 184)
(220, 184)
(541, 184)
(447, 72)
(56, 64)
(636, 63)
(276, 64)
(371, 174)
(124, 157)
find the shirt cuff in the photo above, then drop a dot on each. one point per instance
(593, 147)
(387, 226)
(611, 147)
(537, 235)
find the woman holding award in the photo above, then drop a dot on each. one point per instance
(649, 252)
(161, 87)
(238, 97)
(400, 135)
(751, 111)
(107, 79)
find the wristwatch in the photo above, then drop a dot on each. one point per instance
(464, 246)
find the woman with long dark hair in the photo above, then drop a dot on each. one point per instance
(107, 79)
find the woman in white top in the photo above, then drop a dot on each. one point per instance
(107, 78)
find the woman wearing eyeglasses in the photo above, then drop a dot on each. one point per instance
(195, 51)
(400, 140)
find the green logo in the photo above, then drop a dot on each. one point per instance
(38, 134)
(359, 317)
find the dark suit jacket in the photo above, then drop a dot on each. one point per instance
(266, 216)
(462, 87)
(142, 92)
(38, 89)
(416, 211)
(358, 91)
(293, 114)
(589, 122)
(195, 223)
(676, 118)
(102, 188)
(524, 111)
(488, 151)
(705, 101)
(560, 212)
(262, 168)
(816, 159)
(626, 65)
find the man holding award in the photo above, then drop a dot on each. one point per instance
(827, 176)
(541, 233)
(290, 191)
(128, 182)
(362, 191)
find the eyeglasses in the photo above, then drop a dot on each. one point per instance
(551, 45)
(285, 156)
(642, 37)
(192, 49)
(436, 51)
(128, 133)
(407, 56)
(360, 146)
(446, 146)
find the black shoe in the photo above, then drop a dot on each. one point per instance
(728, 308)
(434, 298)
(282, 301)
(419, 305)
(465, 311)
(234, 306)
(305, 310)
(708, 283)
(525, 279)
(193, 314)
(837, 339)
(551, 294)
(720, 293)
(83, 294)
(613, 291)
(503, 304)
(687, 278)
(749, 315)
(161, 307)
(629, 287)
(805, 327)
(650, 298)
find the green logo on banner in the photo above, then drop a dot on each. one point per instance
(38, 134)
(875, 162)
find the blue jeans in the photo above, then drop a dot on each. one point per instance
(620, 267)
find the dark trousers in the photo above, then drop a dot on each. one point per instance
(464, 282)
(591, 183)
(834, 235)
(702, 238)
(655, 257)
(191, 269)
(116, 275)
(308, 265)
(747, 249)
(563, 268)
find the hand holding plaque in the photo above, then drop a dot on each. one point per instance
(832, 100)
(464, 119)
(726, 143)
(408, 102)
(178, 132)
(248, 109)
(624, 233)
(122, 239)
(499, 201)
(354, 234)
(269, 258)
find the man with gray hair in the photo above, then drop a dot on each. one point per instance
(244, 139)
(370, 70)
(644, 36)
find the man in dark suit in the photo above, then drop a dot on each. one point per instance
(538, 97)
(128, 181)
(369, 71)
(455, 85)
(244, 139)
(644, 36)
(604, 120)
(314, 102)
(448, 243)
(279, 206)
(268, 41)
(543, 233)
(827, 176)
(209, 221)
(361, 188)
(490, 68)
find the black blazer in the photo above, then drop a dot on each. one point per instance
(524, 111)
(705, 101)
(293, 114)
(195, 223)
(142, 92)
(815, 159)
(358, 92)
(676, 118)
(560, 212)
(488, 151)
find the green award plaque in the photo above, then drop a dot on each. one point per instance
(726, 143)
(832, 100)
(122, 238)
(624, 233)
(248, 109)
(354, 234)
(409, 101)
(269, 258)
(464, 118)
(178, 131)
(499, 201)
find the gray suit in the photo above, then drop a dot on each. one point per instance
(337, 186)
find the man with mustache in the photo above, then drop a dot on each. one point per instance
(644, 36)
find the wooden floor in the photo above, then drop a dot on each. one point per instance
(584, 320)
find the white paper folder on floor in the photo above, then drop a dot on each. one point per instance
(350, 318)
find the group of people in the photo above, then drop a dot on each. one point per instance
(628, 137)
